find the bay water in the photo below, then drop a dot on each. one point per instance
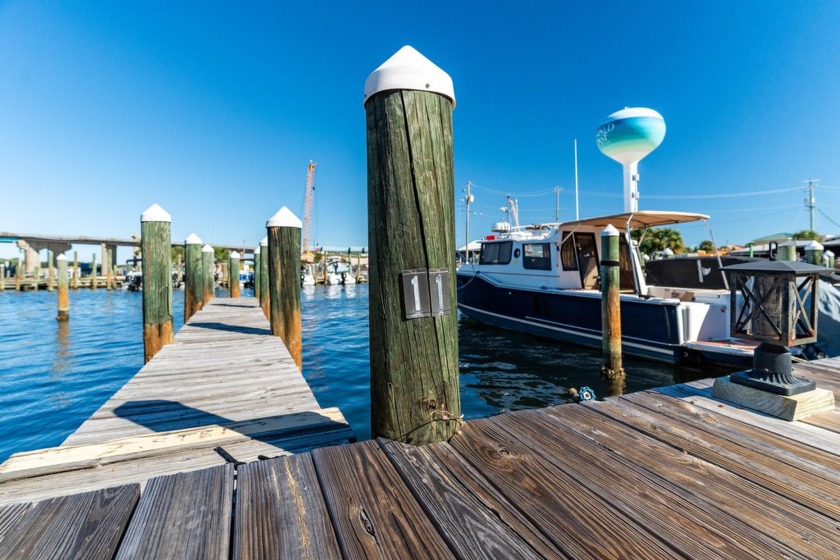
(53, 375)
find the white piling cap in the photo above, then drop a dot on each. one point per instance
(155, 213)
(813, 246)
(257, 251)
(408, 69)
(609, 231)
(61, 257)
(193, 239)
(284, 218)
(264, 241)
(828, 253)
(234, 254)
(207, 249)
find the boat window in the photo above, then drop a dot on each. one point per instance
(567, 252)
(537, 256)
(496, 253)
(625, 266)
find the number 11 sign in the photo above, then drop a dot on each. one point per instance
(425, 292)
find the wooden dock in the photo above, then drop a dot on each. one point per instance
(668, 473)
(224, 388)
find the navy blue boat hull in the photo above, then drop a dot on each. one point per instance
(649, 329)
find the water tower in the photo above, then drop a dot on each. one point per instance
(627, 137)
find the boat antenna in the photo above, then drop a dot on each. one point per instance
(577, 207)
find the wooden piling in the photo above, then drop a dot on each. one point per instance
(76, 270)
(265, 295)
(156, 247)
(413, 329)
(193, 276)
(50, 271)
(63, 289)
(814, 253)
(610, 304)
(18, 274)
(2, 277)
(787, 251)
(93, 271)
(233, 275)
(257, 283)
(284, 230)
(208, 267)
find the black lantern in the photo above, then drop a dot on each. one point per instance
(779, 310)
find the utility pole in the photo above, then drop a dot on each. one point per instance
(468, 199)
(810, 202)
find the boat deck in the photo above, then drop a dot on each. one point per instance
(668, 473)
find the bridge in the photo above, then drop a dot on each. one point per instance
(32, 244)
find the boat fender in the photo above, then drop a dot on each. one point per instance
(582, 394)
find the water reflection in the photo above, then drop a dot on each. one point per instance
(62, 359)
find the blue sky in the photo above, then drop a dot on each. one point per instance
(214, 110)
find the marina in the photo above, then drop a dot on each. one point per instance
(414, 400)
(575, 481)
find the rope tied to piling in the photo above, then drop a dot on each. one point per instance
(446, 416)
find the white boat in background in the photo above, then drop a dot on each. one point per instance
(306, 276)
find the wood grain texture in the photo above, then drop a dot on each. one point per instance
(414, 362)
(470, 529)
(280, 512)
(577, 522)
(187, 515)
(672, 517)
(374, 513)
(87, 525)
(762, 509)
(158, 329)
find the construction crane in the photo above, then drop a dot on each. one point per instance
(307, 210)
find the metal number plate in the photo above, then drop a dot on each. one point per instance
(425, 292)
(415, 290)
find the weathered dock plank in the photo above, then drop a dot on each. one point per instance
(186, 515)
(577, 521)
(280, 512)
(373, 511)
(469, 528)
(88, 525)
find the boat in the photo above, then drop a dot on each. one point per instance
(306, 277)
(543, 279)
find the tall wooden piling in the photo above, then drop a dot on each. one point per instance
(76, 270)
(233, 274)
(257, 283)
(265, 295)
(2, 277)
(208, 267)
(63, 289)
(156, 247)
(284, 230)
(413, 329)
(93, 271)
(193, 276)
(18, 274)
(610, 304)
(50, 271)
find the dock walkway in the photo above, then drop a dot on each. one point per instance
(668, 473)
(225, 386)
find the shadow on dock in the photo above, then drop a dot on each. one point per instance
(231, 328)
